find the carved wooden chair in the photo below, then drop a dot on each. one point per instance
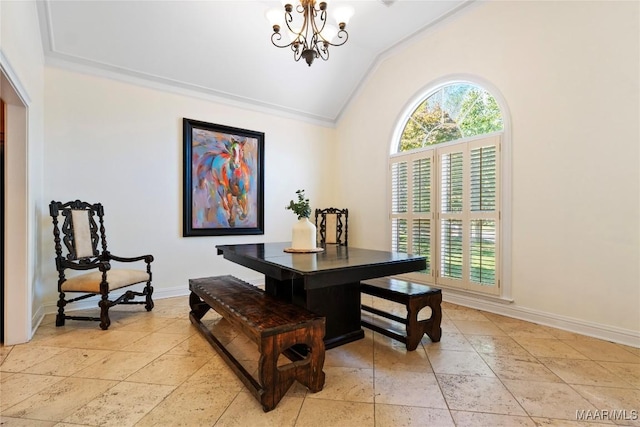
(82, 236)
(332, 225)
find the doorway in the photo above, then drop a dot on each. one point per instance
(2, 218)
(17, 294)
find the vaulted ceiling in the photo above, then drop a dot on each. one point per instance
(223, 48)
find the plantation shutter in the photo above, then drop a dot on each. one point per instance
(411, 206)
(452, 215)
(421, 195)
(399, 206)
(484, 214)
(445, 206)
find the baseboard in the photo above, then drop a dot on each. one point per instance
(582, 327)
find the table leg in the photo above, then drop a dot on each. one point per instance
(339, 304)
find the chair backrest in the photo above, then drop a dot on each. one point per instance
(332, 225)
(81, 233)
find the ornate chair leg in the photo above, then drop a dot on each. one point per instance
(104, 313)
(148, 292)
(60, 315)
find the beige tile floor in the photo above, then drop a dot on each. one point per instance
(154, 369)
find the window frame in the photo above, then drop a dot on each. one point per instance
(503, 233)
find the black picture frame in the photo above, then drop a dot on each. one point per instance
(223, 180)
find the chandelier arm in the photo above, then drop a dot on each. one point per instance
(340, 35)
(275, 38)
(321, 47)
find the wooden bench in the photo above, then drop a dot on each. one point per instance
(274, 325)
(415, 297)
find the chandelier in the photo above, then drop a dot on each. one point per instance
(312, 39)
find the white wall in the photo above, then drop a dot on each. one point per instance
(569, 72)
(22, 88)
(121, 145)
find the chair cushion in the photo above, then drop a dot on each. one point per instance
(331, 235)
(117, 278)
(81, 233)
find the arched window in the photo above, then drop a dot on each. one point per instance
(455, 111)
(445, 187)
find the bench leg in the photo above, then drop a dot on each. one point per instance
(432, 326)
(416, 329)
(276, 380)
(198, 307)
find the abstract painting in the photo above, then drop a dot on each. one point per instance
(223, 180)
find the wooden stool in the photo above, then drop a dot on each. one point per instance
(415, 297)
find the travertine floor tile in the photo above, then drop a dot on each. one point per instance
(454, 341)
(4, 351)
(68, 362)
(521, 329)
(551, 422)
(245, 410)
(122, 405)
(542, 347)
(323, 413)
(519, 368)
(393, 355)
(604, 351)
(357, 354)
(346, 384)
(553, 400)
(23, 356)
(484, 380)
(111, 339)
(478, 394)
(168, 369)
(15, 388)
(410, 416)
(19, 422)
(408, 389)
(632, 350)
(155, 342)
(463, 313)
(448, 326)
(475, 419)
(626, 401)
(195, 345)
(630, 372)
(502, 345)
(216, 374)
(147, 324)
(177, 307)
(180, 326)
(59, 400)
(476, 327)
(459, 363)
(243, 348)
(587, 372)
(117, 366)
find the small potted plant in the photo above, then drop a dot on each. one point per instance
(301, 207)
(304, 232)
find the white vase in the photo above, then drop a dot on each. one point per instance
(304, 235)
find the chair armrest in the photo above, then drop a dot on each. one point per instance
(146, 258)
(100, 265)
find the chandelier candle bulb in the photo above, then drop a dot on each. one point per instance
(342, 14)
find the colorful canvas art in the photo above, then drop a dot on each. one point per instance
(225, 180)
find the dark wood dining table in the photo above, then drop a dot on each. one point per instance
(326, 282)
